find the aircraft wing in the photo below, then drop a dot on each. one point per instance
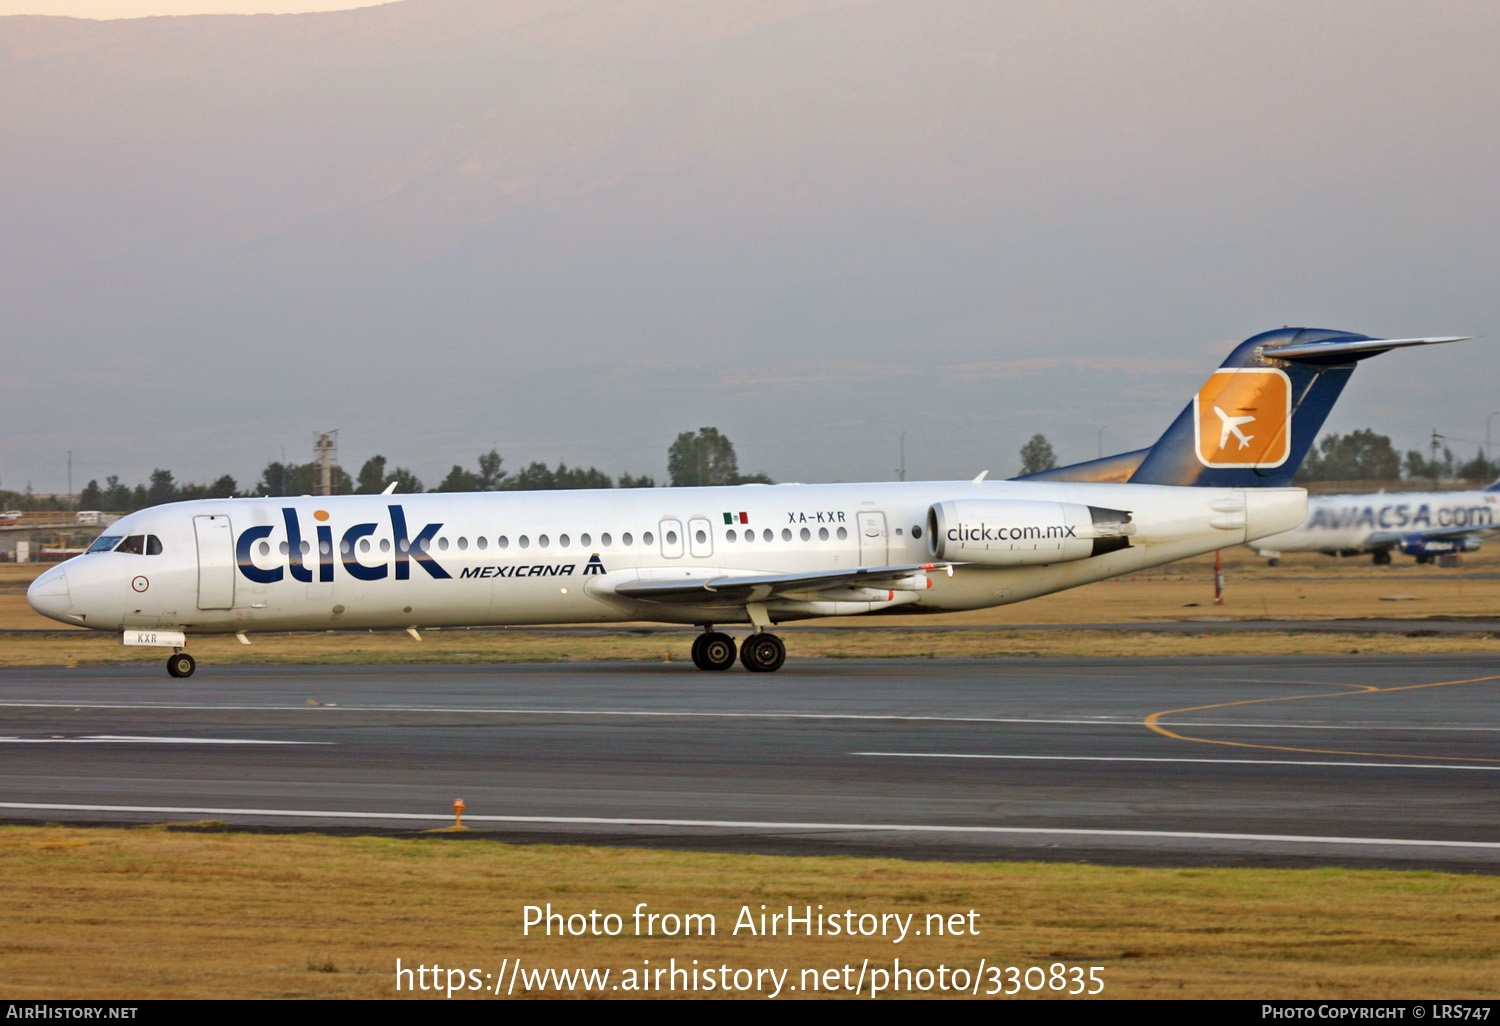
(760, 587)
(1396, 537)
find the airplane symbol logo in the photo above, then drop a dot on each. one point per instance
(1231, 425)
(1234, 398)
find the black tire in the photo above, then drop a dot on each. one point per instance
(180, 664)
(1381, 557)
(1273, 561)
(717, 651)
(698, 652)
(763, 653)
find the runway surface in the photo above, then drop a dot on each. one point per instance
(1360, 761)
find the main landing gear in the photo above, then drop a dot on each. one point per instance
(713, 651)
(180, 664)
(760, 653)
(763, 653)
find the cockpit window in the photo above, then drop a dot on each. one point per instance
(105, 543)
(137, 544)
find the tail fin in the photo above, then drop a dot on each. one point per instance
(1255, 418)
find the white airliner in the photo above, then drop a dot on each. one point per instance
(1231, 425)
(1421, 524)
(751, 554)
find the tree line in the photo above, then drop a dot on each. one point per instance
(1359, 455)
(1365, 456)
(704, 457)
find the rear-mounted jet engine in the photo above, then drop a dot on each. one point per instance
(1023, 532)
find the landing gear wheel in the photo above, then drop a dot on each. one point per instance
(716, 652)
(763, 653)
(1273, 561)
(180, 664)
(713, 651)
(1381, 557)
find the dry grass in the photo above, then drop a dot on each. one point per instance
(150, 913)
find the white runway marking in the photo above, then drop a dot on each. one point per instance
(728, 824)
(142, 739)
(1216, 762)
(1091, 721)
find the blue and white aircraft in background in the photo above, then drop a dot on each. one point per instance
(751, 554)
(1421, 524)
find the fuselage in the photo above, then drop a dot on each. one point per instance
(1362, 522)
(437, 560)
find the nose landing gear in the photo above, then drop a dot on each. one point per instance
(180, 664)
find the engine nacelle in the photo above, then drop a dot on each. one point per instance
(1416, 545)
(1024, 532)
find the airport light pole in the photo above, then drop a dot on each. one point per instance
(1487, 420)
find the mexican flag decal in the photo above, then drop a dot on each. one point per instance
(736, 518)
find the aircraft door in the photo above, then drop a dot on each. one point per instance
(215, 562)
(872, 539)
(671, 538)
(700, 537)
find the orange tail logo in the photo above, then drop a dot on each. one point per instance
(1243, 418)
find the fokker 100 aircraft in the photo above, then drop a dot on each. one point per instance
(747, 554)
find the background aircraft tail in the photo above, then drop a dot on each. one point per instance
(1255, 418)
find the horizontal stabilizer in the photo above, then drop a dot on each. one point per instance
(1343, 350)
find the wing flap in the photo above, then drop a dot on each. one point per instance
(761, 587)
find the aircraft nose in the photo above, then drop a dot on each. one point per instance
(49, 594)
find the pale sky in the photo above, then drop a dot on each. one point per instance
(105, 9)
(572, 229)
